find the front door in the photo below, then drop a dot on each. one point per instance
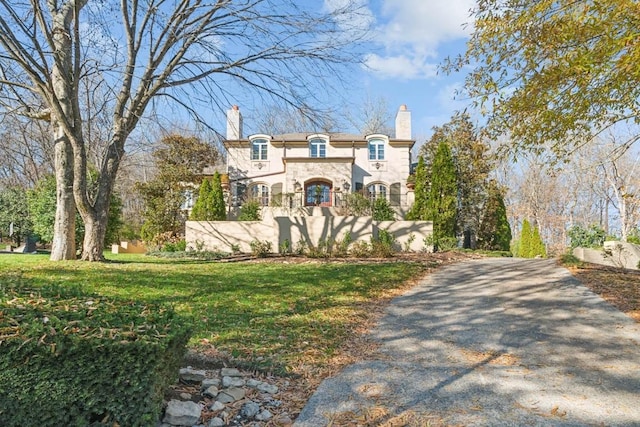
(318, 193)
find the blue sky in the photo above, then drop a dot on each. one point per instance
(412, 38)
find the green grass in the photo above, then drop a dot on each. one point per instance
(274, 312)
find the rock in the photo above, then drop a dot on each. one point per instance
(264, 415)
(232, 382)
(253, 383)
(192, 375)
(208, 382)
(249, 410)
(180, 413)
(211, 391)
(216, 422)
(216, 406)
(283, 420)
(268, 388)
(230, 372)
(274, 403)
(231, 395)
(185, 396)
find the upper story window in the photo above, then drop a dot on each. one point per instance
(376, 149)
(259, 149)
(317, 148)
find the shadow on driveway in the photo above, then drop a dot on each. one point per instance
(494, 342)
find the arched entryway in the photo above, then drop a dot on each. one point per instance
(318, 193)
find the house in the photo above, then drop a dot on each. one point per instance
(318, 169)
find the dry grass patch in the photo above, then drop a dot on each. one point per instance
(618, 286)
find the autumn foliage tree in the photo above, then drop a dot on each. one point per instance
(553, 73)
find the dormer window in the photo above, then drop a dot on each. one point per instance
(259, 149)
(376, 149)
(317, 147)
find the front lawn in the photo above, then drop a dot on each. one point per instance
(273, 313)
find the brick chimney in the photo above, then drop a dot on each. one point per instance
(403, 123)
(234, 123)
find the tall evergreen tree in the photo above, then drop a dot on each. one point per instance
(524, 246)
(494, 233)
(537, 245)
(443, 199)
(218, 210)
(202, 208)
(472, 167)
(418, 210)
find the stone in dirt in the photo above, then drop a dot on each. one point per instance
(216, 422)
(230, 372)
(180, 413)
(264, 415)
(192, 375)
(208, 382)
(211, 391)
(231, 395)
(250, 410)
(216, 406)
(232, 382)
(267, 388)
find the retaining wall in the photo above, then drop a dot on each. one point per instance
(619, 254)
(222, 235)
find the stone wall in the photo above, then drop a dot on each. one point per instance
(222, 235)
(618, 254)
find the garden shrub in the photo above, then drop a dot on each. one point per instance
(384, 245)
(74, 359)
(250, 211)
(259, 248)
(360, 250)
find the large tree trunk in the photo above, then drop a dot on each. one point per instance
(93, 245)
(64, 228)
(96, 216)
(63, 247)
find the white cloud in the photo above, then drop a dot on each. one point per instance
(411, 31)
(401, 66)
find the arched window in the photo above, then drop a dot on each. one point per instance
(260, 194)
(375, 191)
(318, 193)
(259, 149)
(317, 148)
(376, 149)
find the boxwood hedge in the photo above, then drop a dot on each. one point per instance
(73, 359)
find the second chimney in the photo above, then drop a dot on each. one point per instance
(234, 123)
(403, 123)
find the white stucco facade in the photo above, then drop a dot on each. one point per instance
(317, 169)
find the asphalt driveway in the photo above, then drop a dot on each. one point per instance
(493, 342)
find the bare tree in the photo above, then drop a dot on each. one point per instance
(155, 53)
(26, 152)
(372, 115)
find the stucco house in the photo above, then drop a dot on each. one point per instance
(318, 169)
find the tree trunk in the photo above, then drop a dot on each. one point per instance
(63, 247)
(94, 233)
(64, 228)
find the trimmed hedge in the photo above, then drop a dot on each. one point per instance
(74, 359)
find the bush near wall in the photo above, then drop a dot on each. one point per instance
(72, 359)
